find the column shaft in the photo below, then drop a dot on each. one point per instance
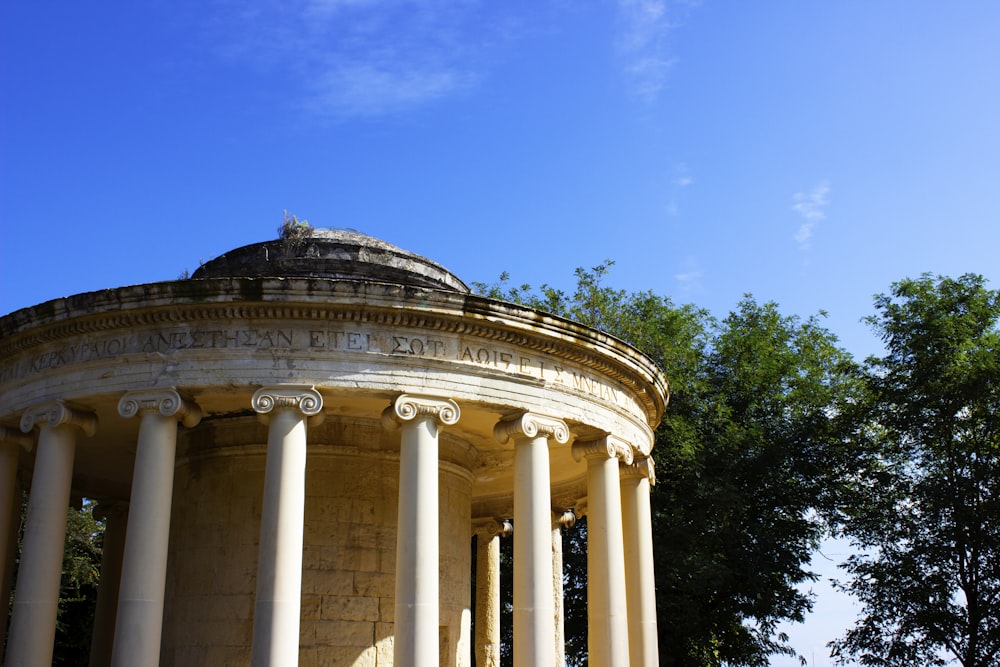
(639, 582)
(112, 557)
(10, 515)
(606, 605)
(558, 618)
(139, 621)
(534, 608)
(279, 571)
(488, 592)
(36, 595)
(139, 617)
(10, 505)
(416, 615)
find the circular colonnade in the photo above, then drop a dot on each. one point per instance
(293, 450)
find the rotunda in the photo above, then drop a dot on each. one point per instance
(294, 450)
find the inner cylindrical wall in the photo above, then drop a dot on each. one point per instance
(349, 551)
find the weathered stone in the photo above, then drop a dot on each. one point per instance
(357, 325)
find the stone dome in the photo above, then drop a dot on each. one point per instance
(339, 254)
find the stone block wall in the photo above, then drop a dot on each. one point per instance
(349, 557)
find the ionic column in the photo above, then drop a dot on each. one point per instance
(36, 595)
(115, 516)
(488, 534)
(417, 566)
(639, 585)
(607, 611)
(139, 619)
(560, 520)
(279, 569)
(534, 608)
(11, 443)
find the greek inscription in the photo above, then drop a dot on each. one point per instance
(185, 340)
(82, 351)
(525, 366)
(418, 346)
(397, 342)
(357, 341)
(583, 382)
(320, 339)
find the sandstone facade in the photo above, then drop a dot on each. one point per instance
(306, 437)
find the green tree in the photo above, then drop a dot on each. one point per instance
(78, 585)
(927, 515)
(749, 460)
(78, 589)
(748, 465)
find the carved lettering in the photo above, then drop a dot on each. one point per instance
(357, 341)
(344, 340)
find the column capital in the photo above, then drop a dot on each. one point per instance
(166, 402)
(564, 519)
(9, 436)
(408, 407)
(641, 467)
(491, 527)
(530, 425)
(301, 397)
(57, 413)
(607, 447)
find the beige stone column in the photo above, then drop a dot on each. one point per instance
(279, 569)
(11, 443)
(560, 520)
(488, 533)
(115, 517)
(534, 608)
(139, 618)
(36, 595)
(607, 611)
(639, 584)
(417, 564)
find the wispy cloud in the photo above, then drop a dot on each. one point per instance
(362, 58)
(690, 277)
(367, 89)
(682, 176)
(680, 179)
(350, 58)
(642, 43)
(811, 207)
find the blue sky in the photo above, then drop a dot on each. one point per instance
(808, 152)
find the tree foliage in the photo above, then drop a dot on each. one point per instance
(78, 585)
(927, 511)
(748, 460)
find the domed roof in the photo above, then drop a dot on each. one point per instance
(339, 254)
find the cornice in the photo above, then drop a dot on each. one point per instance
(321, 300)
